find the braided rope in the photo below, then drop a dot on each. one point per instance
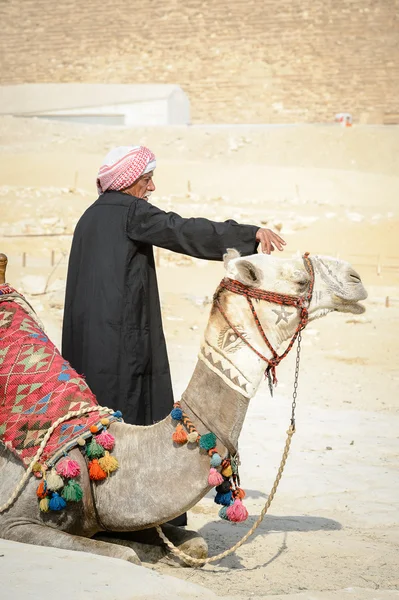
(199, 562)
(69, 415)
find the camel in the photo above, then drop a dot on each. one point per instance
(158, 480)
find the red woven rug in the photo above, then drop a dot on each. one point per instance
(37, 387)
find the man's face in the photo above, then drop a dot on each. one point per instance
(142, 187)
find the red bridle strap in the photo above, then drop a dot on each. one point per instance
(300, 302)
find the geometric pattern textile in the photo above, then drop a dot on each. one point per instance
(37, 387)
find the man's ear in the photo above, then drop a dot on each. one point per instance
(248, 273)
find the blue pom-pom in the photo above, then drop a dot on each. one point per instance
(216, 460)
(177, 414)
(223, 513)
(117, 414)
(56, 502)
(224, 499)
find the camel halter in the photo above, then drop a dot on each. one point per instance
(299, 302)
(302, 303)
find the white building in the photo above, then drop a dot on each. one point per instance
(105, 104)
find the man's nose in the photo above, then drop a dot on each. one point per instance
(151, 186)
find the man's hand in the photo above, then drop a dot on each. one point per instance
(269, 240)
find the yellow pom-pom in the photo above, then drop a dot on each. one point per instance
(104, 422)
(108, 463)
(227, 472)
(44, 504)
(37, 468)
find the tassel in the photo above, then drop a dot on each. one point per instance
(208, 441)
(94, 450)
(214, 478)
(67, 467)
(216, 461)
(239, 493)
(56, 502)
(108, 463)
(227, 471)
(44, 505)
(72, 492)
(95, 471)
(224, 499)
(106, 440)
(237, 512)
(54, 481)
(179, 436)
(177, 414)
(192, 437)
(37, 470)
(224, 487)
(41, 491)
(223, 513)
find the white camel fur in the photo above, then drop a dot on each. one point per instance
(157, 480)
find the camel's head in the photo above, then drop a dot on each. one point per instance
(337, 286)
(240, 334)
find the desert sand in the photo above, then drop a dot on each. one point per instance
(332, 531)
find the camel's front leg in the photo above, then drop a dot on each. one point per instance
(40, 535)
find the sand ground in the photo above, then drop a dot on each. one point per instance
(332, 531)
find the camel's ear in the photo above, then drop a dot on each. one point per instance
(248, 273)
(230, 254)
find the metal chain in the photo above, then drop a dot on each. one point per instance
(295, 392)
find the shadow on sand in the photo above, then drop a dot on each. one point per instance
(222, 535)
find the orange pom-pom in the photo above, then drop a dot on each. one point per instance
(94, 429)
(180, 435)
(41, 491)
(95, 471)
(239, 493)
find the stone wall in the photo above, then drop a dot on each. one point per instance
(278, 61)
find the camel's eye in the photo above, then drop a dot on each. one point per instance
(301, 278)
(229, 340)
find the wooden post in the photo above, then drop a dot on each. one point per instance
(52, 258)
(24, 259)
(387, 301)
(3, 267)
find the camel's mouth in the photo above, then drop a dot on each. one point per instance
(349, 306)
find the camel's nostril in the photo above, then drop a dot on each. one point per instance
(354, 277)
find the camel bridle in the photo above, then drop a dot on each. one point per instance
(301, 302)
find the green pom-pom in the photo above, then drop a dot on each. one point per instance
(208, 441)
(72, 492)
(94, 450)
(223, 513)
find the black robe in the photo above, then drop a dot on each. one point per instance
(112, 329)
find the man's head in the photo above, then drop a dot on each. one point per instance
(128, 169)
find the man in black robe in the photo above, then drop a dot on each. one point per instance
(112, 329)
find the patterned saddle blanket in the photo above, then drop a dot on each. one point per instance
(37, 387)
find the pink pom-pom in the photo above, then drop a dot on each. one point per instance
(106, 440)
(215, 477)
(237, 512)
(67, 467)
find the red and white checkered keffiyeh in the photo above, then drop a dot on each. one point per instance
(123, 166)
